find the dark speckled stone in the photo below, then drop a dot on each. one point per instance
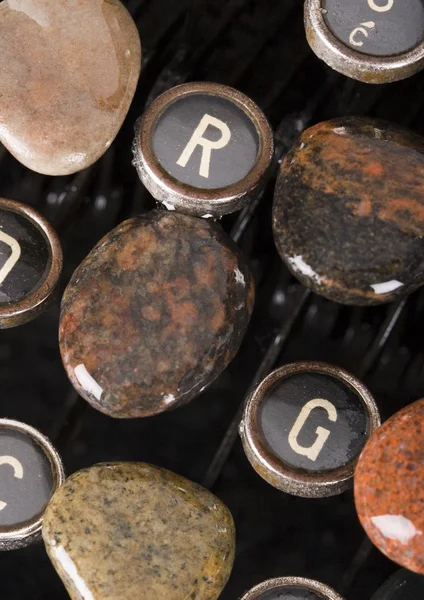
(349, 210)
(132, 531)
(389, 490)
(154, 314)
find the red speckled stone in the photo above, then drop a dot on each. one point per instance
(389, 487)
(154, 314)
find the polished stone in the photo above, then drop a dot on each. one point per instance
(154, 313)
(131, 530)
(402, 585)
(389, 491)
(68, 73)
(349, 210)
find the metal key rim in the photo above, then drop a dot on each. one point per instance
(26, 309)
(191, 200)
(281, 475)
(283, 582)
(345, 60)
(13, 537)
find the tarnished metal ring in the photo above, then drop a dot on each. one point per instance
(193, 200)
(280, 583)
(345, 60)
(284, 477)
(29, 307)
(12, 538)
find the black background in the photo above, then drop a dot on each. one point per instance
(228, 165)
(259, 47)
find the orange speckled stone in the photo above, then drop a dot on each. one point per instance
(349, 210)
(68, 73)
(389, 487)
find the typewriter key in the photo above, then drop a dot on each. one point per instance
(291, 588)
(154, 313)
(203, 149)
(131, 530)
(304, 427)
(69, 73)
(389, 491)
(349, 210)
(403, 585)
(30, 472)
(30, 263)
(375, 41)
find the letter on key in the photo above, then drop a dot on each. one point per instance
(13, 258)
(313, 451)
(197, 139)
(30, 472)
(203, 149)
(287, 436)
(30, 263)
(18, 471)
(375, 41)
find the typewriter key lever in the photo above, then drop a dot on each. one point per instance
(304, 427)
(203, 149)
(375, 41)
(30, 472)
(291, 588)
(402, 585)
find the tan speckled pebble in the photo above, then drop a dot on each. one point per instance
(68, 73)
(120, 531)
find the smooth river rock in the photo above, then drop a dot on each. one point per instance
(389, 491)
(349, 210)
(119, 531)
(68, 73)
(154, 314)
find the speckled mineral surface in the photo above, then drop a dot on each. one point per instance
(131, 530)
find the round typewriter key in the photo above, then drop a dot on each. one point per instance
(304, 427)
(389, 491)
(203, 149)
(154, 313)
(376, 41)
(30, 263)
(30, 472)
(348, 213)
(291, 588)
(402, 585)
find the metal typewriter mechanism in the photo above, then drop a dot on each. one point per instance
(211, 300)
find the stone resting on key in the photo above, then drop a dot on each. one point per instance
(160, 306)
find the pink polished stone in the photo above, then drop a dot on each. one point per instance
(68, 73)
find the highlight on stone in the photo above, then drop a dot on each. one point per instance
(154, 314)
(389, 492)
(349, 211)
(117, 531)
(68, 74)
